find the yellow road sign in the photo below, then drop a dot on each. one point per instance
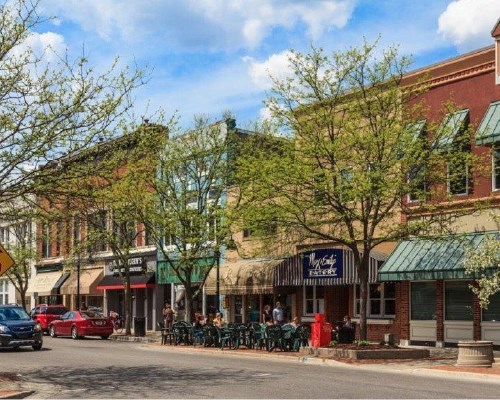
(6, 261)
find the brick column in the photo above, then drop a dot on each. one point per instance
(439, 311)
(476, 316)
(402, 319)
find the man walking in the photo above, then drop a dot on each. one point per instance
(278, 314)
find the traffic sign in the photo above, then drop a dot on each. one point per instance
(6, 261)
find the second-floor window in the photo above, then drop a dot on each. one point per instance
(96, 228)
(458, 177)
(4, 235)
(59, 234)
(496, 166)
(46, 240)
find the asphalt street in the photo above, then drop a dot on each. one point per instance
(94, 368)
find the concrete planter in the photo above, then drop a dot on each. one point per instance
(365, 354)
(475, 353)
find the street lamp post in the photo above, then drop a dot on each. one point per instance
(78, 281)
(217, 281)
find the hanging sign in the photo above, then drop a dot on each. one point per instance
(323, 263)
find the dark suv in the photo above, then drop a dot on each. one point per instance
(18, 329)
(44, 314)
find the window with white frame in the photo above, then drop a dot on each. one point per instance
(496, 166)
(314, 300)
(381, 300)
(458, 300)
(4, 235)
(4, 291)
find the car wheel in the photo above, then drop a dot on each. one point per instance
(37, 347)
(104, 337)
(52, 331)
(74, 333)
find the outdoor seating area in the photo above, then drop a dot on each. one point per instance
(344, 334)
(235, 336)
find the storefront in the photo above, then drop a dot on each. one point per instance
(245, 287)
(90, 296)
(44, 287)
(146, 299)
(325, 281)
(436, 305)
(174, 290)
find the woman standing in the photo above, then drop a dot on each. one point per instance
(267, 313)
(168, 316)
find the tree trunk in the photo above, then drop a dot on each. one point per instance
(363, 269)
(188, 297)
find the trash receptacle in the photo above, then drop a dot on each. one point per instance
(139, 326)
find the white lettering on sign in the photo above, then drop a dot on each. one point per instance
(319, 263)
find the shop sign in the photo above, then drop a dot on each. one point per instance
(135, 265)
(323, 263)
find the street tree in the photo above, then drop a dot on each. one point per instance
(483, 262)
(352, 147)
(186, 215)
(51, 106)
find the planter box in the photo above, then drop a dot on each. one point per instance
(372, 354)
(475, 353)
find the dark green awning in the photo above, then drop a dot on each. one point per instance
(489, 130)
(430, 259)
(165, 274)
(417, 128)
(451, 127)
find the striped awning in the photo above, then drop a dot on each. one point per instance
(290, 272)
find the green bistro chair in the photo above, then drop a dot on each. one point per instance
(273, 337)
(256, 335)
(301, 337)
(225, 337)
(210, 336)
(288, 333)
(240, 336)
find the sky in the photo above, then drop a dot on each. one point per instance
(209, 56)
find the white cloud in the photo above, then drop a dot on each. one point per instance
(208, 24)
(276, 66)
(46, 45)
(468, 23)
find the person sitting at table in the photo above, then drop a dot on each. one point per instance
(198, 328)
(345, 331)
(295, 322)
(219, 321)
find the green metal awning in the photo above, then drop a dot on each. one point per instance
(165, 274)
(417, 129)
(489, 129)
(430, 259)
(450, 128)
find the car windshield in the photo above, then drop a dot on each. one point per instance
(13, 314)
(56, 310)
(91, 314)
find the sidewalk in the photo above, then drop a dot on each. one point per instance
(11, 387)
(440, 360)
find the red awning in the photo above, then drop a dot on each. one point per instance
(111, 282)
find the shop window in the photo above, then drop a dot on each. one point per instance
(423, 301)
(496, 167)
(4, 235)
(314, 300)
(458, 301)
(381, 300)
(492, 313)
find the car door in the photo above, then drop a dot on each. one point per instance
(64, 327)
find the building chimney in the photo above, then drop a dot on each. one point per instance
(496, 35)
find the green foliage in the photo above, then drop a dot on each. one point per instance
(483, 262)
(49, 111)
(341, 172)
(332, 343)
(361, 343)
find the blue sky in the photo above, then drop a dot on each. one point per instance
(208, 56)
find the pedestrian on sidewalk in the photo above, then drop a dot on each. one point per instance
(278, 314)
(168, 316)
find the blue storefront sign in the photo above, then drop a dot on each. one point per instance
(323, 263)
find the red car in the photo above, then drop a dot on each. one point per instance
(44, 314)
(81, 323)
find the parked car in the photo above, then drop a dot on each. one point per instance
(18, 329)
(44, 314)
(81, 323)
